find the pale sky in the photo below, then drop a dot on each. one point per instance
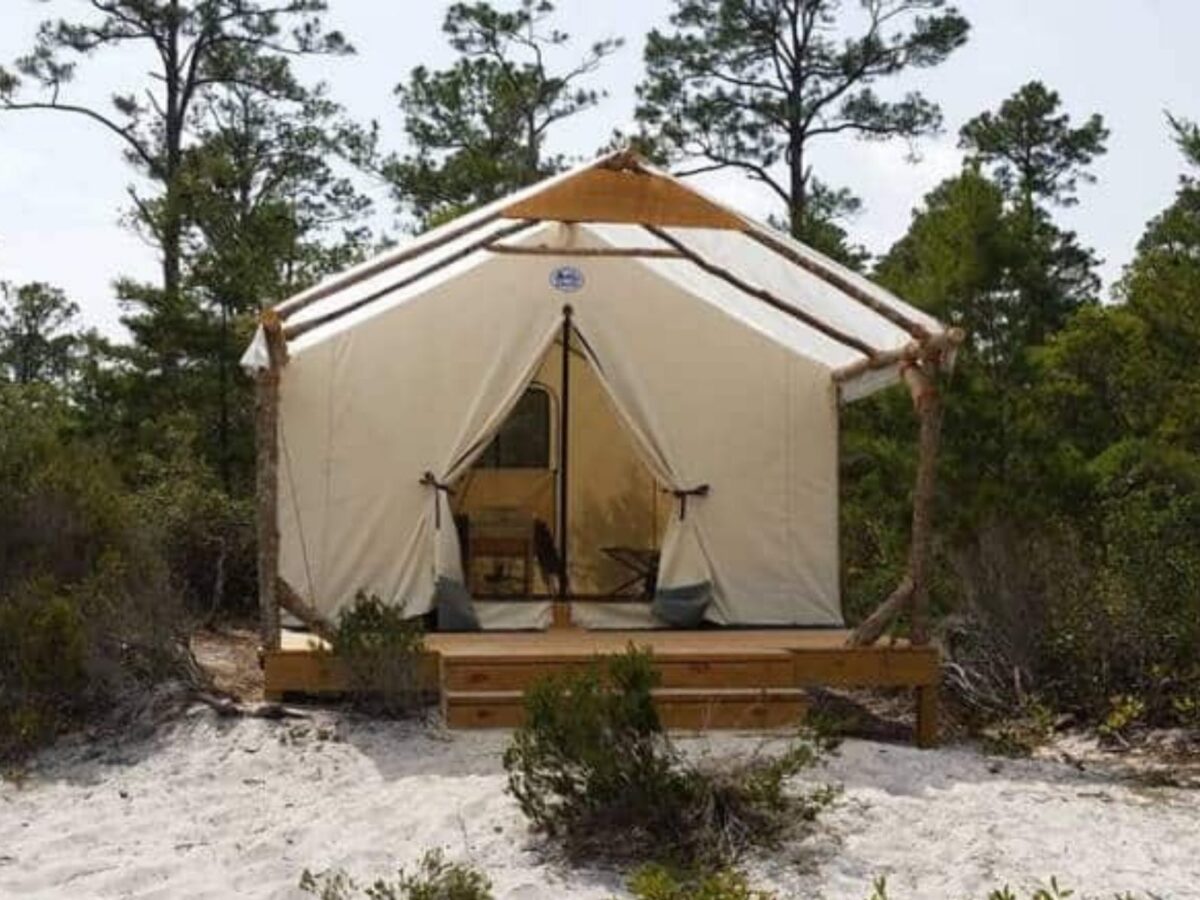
(63, 180)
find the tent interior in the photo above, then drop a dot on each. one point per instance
(421, 402)
(508, 506)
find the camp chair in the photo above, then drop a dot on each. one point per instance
(546, 552)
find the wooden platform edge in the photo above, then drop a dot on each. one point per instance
(316, 672)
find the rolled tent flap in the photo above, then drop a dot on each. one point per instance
(471, 443)
(681, 560)
(709, 400)
(257, 357)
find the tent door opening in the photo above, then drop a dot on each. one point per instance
(561, 488)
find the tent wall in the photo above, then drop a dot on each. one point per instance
(367, 410)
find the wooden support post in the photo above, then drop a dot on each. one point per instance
(267, 477)
(913, 591)
(927, 715)
(927, 401)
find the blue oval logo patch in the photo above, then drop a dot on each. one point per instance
(567, 279)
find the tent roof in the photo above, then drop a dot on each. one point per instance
(619, 210)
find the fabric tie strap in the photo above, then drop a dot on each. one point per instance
(430, 480)
(682, 494)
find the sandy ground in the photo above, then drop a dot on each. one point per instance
(216, 807)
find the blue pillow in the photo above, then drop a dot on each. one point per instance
(455, 611)
(684, 606)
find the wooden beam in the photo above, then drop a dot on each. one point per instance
(622, 192)
(839, 281)
(934, 348)
(290, 600)
(419, 247)
(874, 625)
(266, 426)
(587, 252)
(927, 716)
(291, 332)
(764, 295)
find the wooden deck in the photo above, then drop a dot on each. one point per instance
(741, 679)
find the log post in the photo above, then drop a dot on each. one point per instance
(927, 401)
(913, 591)
(266, 426)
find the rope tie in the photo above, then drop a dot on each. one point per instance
(430, 480)
(682, 494)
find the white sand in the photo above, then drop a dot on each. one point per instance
(238, 808)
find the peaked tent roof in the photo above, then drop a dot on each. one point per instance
(626, 208)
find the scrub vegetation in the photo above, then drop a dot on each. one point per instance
(597, 776)
(1066, 570)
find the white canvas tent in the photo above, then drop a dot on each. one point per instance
(724, 347)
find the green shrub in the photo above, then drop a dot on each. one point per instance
(594, 772)
(657, 882)
(434, 879)
(43, 674)
(383, 655)
(1129, 626)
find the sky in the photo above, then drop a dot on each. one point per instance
(64, 183)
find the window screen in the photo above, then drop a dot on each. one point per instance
(523, 441)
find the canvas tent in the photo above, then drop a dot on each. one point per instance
(722, 346)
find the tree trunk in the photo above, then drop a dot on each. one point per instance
(799, 188)
(223, 455)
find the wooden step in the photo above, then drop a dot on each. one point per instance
(685, 671)
(681, 709)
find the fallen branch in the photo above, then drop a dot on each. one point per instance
(227, 707)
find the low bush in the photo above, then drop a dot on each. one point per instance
(594, 772)
(43, 665)
(658, 882)
(383, 654)
(434, 879)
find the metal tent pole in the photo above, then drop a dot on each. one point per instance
(564, 587)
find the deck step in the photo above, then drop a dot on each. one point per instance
(496, 672)
(681, 709)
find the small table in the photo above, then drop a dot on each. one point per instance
(640, 560)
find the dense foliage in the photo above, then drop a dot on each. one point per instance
(89, 612)
(1069, 540)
